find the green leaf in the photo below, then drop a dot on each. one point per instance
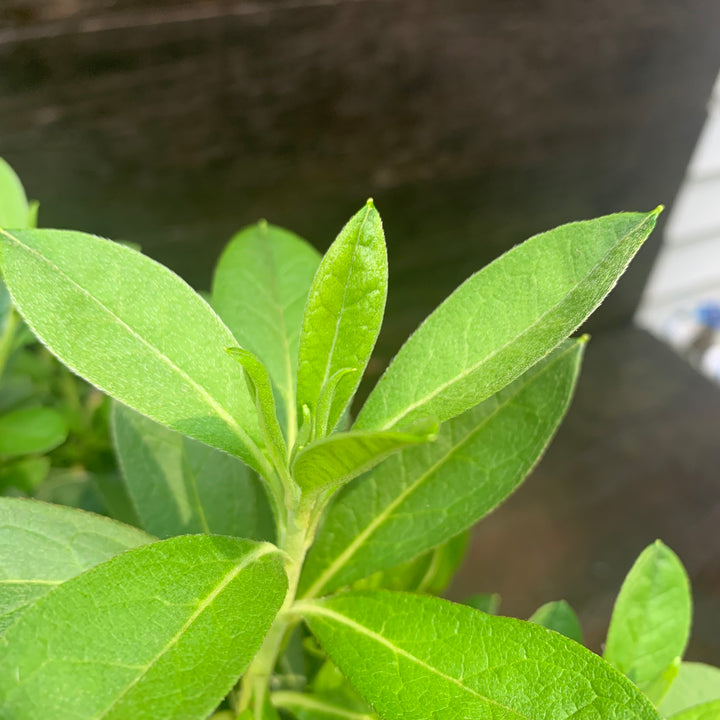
(24, 474)
(343, 315)
(180, 486)
(31, 430)
(158, 633)
(260, 288)
(650, 624)
(426, 495)
(418, 657)
(484, 602)
(260, 387)
(503, 319)
(136, 330)
(695, 684)
(306, 706)
(44, 545)
(330, 462)
(14, 210)
(561, 618)
(706, 711)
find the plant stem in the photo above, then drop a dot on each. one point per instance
(8, 336)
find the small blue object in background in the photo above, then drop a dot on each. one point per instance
(709, 314)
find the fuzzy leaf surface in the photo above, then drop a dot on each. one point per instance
(42, 546)
(414, 657)
(158, 633)
(180, 486)
(134, 329)
(695, 684)
(343, 315)
(260, 288)
(333, 461)
(650, 623)
(425, 495)
(31, 430)
(560, 617)
(14, 209)
(503, 319)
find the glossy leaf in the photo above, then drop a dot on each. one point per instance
(561, 618)
(426, 495)
(180, 486)
(331, 462)
(695, 684)
(414, 657)
(14, 210)
(650, 624)
(158, 633)
(44, 545)
(31, 430)
(147, 338)
(503, 319)
(260, 288)
(343, 315)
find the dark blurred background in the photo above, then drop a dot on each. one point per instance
(473, 124)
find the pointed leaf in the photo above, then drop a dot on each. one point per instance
(706, 711)
(426, 495)
(343, 314)
(503, 319)
(329, 463)
(180, 486)
(134, 329)
(695, 684)
(14, 210)
(161, 632)
(650, 623)
(260, 288)
(561, 618)
(31, 430)
(414, 657)
(44, 545)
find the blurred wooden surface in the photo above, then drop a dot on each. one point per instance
(474, 124)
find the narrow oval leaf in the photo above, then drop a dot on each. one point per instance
(31, 430)
(14, 210)
(260, 288)
(706, 711)
(695, 684)
(560, 617)
(158, 633)
(136, 330)
(650, 624)
(343, 314)
(503, 319)
(426, 495)
(42, 546)
(418, 657)
(180, 486)
(329, 463)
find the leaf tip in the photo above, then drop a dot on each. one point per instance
(370, 203)
(658, 210)
(584, 339)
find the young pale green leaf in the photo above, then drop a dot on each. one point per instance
(503, 319)
(261, 392)
(426, 495)
(14, 210)
(414, 657)
(695, 684)
(650, 624)
(31, 430)
(560, 617)
(161, 632)
(343, 315)
(44, 545)
(180, 486)
(484, 602)
(706, 711)
(330, 462)
(306, 706)
(260, 288)
(136, 330)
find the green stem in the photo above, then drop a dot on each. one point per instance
(12, 322)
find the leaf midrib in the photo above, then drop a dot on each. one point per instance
(487, 358)
(201, 391)
(265, 549)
